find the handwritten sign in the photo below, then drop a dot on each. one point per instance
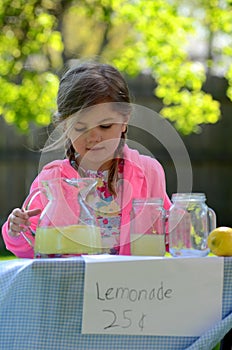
(151, 296)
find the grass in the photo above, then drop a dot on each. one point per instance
(7, 257)
(217, 347)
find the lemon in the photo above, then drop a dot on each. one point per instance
(220, 241)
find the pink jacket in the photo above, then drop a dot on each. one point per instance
(143, 178)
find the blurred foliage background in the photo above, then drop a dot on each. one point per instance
(179, 43)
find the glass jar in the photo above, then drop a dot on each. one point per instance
(189, 223)
(147, 229)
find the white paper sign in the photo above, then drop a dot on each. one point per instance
(152, 296)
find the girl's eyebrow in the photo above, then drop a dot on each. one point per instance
(106, 120)
(110, 119)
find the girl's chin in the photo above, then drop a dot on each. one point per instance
(95, 163)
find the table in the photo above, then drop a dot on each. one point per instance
(41, 308)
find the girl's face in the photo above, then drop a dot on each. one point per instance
(96, 134)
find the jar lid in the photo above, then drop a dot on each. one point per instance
(186, 197)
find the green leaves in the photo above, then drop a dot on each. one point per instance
(31, 101)
(229, 77)
(161, 36)
(193, 110)
(29, 49)
(38, 36)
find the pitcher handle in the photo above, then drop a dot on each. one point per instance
(26, 206)
(212, 219)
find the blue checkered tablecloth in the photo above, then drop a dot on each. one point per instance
(41, 308)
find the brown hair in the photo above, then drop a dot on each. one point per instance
(86, 85)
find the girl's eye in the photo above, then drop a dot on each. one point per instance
(106, 126)
(84, 128)
(80, 129)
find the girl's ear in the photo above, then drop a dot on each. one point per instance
(125, 124)
(124, 127)
(127, 118)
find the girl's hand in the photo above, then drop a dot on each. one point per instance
(19, 220)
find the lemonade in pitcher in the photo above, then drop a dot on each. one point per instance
(69, 240)
(66, 226)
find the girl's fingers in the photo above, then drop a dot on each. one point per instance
(18, 217)
(33, 212)
(19, 213)
(19, 220)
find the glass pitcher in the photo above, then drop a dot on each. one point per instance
(66, 226)
(190, 221)
(147, 232)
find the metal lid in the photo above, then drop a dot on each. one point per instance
(187, 197)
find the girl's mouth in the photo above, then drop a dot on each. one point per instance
(95, 149)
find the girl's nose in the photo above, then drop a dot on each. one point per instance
(94, 135)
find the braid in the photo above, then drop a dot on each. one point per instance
(70, 151)
(113, 171)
